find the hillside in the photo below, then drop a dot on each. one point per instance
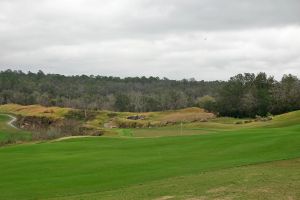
(187, 121)
(34, 110)
(81, 122)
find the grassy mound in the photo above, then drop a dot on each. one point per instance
(34, 110)
(164, 118)
(287, 119)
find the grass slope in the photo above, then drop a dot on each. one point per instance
(97, 165)
(150, 119)
(215, 125)
(8, 133)
(34, 110)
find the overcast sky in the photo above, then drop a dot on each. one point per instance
(204, 39)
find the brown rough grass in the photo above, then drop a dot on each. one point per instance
(34, 110)
(188, 115)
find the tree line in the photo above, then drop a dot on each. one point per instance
(138, 94)
(250, 95)
(244, 95)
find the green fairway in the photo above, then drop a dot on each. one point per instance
(272, 181)
(106, 168)
(162, 132)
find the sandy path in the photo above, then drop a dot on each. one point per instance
(11, 121)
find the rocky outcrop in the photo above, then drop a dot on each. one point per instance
(63, 127)
(35, 122)
(136, 117)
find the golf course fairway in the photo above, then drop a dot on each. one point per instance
(236, 164)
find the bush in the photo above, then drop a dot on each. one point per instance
(53, 133)
(112, 114)
(207, 102)
(263, 119)
(11, 139)
(49, 134)
(69, 126)
(81, 115)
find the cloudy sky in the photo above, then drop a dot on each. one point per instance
(204, 39)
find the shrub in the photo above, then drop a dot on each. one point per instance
(112, 114)
(11, 139)
(81, 114)
(263, 119)
(207, 102)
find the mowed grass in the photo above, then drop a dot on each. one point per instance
(162, 132)
(9, 134)
(102, 167)
(273, 181)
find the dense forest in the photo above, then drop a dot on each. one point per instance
(244, 95)
(249, 95)
(100, 92)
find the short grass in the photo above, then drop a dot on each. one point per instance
(110, 168)
(162, 132)
(272, 181)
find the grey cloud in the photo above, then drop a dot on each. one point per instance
(205, 39)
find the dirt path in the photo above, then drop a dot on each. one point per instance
(72, 137)
(12, 121)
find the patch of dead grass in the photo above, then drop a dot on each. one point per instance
(164, 198)
(34, 110)
(187, 115)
